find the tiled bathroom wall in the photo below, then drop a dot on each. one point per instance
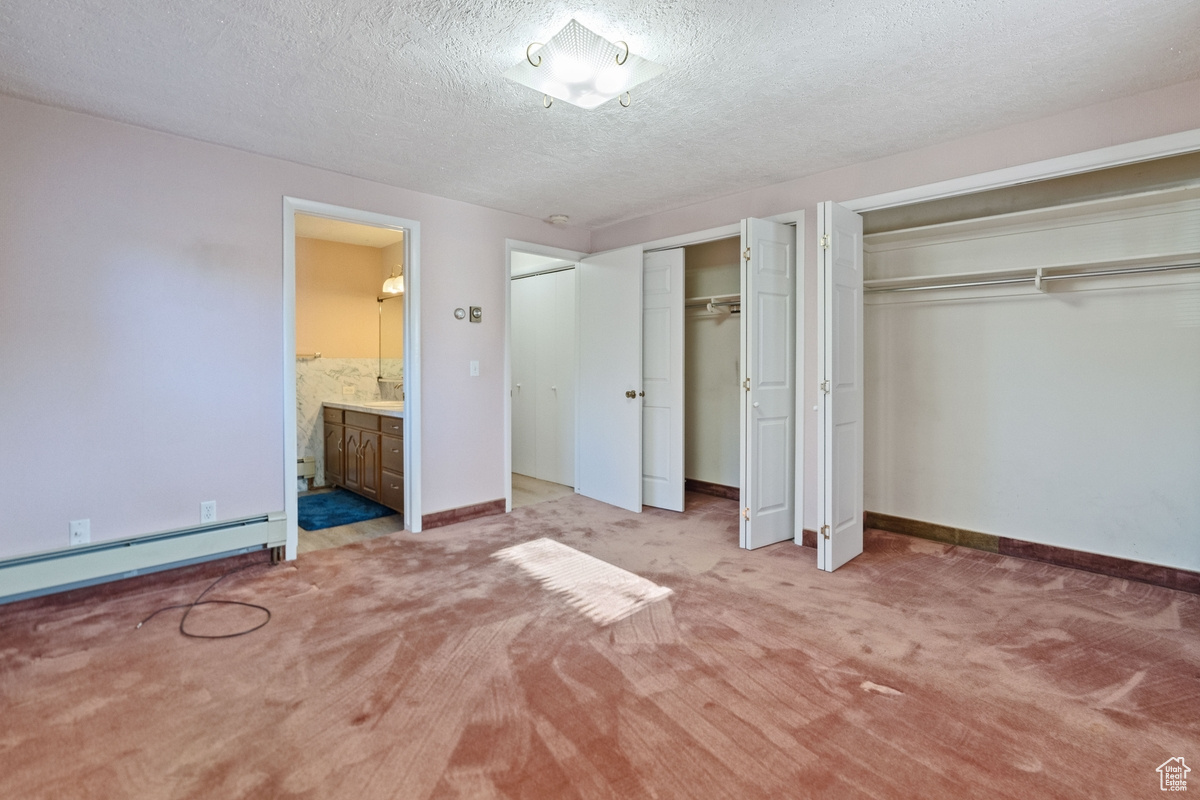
(319, 380)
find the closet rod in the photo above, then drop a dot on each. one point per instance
(1103, 273)
(549, 271)
(707, 303)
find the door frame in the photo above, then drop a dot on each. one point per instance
(534, 249)
(412, 354)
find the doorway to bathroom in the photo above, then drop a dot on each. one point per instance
(352, 393)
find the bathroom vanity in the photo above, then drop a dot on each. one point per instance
(364, 450)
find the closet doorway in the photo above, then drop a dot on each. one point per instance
(712, 368)
(720, 378)
(542, 368)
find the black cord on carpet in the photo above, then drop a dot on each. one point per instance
(200, 601)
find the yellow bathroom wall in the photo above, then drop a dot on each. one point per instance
(337, 314)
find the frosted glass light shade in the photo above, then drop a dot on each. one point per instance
(394, 285)
(580, 67)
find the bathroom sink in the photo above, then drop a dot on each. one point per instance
(396, 404)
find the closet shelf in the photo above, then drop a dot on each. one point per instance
(713, 300)
(1035, 275)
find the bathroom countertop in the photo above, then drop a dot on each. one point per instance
(394, 409)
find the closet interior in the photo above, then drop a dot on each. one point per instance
(1031, 361)
(712, 368)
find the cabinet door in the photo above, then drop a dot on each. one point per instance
(352, 466)
(333, 454)
(368, 464)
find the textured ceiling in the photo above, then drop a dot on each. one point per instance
(756, 91)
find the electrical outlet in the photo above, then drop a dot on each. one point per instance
(474, 369)
(208, 511)
(81, 531)
(347, 391)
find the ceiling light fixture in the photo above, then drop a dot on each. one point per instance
(395, 284)
(582, 68)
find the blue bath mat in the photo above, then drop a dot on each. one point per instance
(339, 507)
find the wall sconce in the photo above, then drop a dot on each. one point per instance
(395, 284)
(582, 68)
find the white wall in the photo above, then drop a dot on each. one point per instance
(1071, 420)
(141, 328)
(1070, 417)
(1169, 110)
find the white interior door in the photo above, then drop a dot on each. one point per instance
(662, 379)
(840, 399)
(608, 427)
(769, 383)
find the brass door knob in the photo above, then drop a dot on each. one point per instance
(631, 394)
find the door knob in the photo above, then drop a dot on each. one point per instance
(641, 394)
(631, 394)
(755, 405)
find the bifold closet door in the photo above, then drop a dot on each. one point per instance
(768, 404)
(662, 379)
(840, 400)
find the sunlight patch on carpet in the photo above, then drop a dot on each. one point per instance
(601, 591)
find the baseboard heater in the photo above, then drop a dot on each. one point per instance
(59, 570)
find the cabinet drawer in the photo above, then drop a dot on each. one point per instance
(392, 426)
(392, 454)
(333, 415)
(358, 419)
(391, 491)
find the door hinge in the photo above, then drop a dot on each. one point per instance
(824, 387)
(746, 254)
(746, 384)
(824, 241)
(746, 514)
(825, 532)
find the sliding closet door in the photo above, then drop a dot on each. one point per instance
(662, 380)
(609, 422)
(840, 400)
(556, 379)
(543, 370)
(524, 375)
(768, 383)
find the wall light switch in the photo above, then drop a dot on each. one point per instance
(208, 511)
(474, 369)
(81, 531)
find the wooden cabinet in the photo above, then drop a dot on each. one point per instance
(391, 474)
(365, 454)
